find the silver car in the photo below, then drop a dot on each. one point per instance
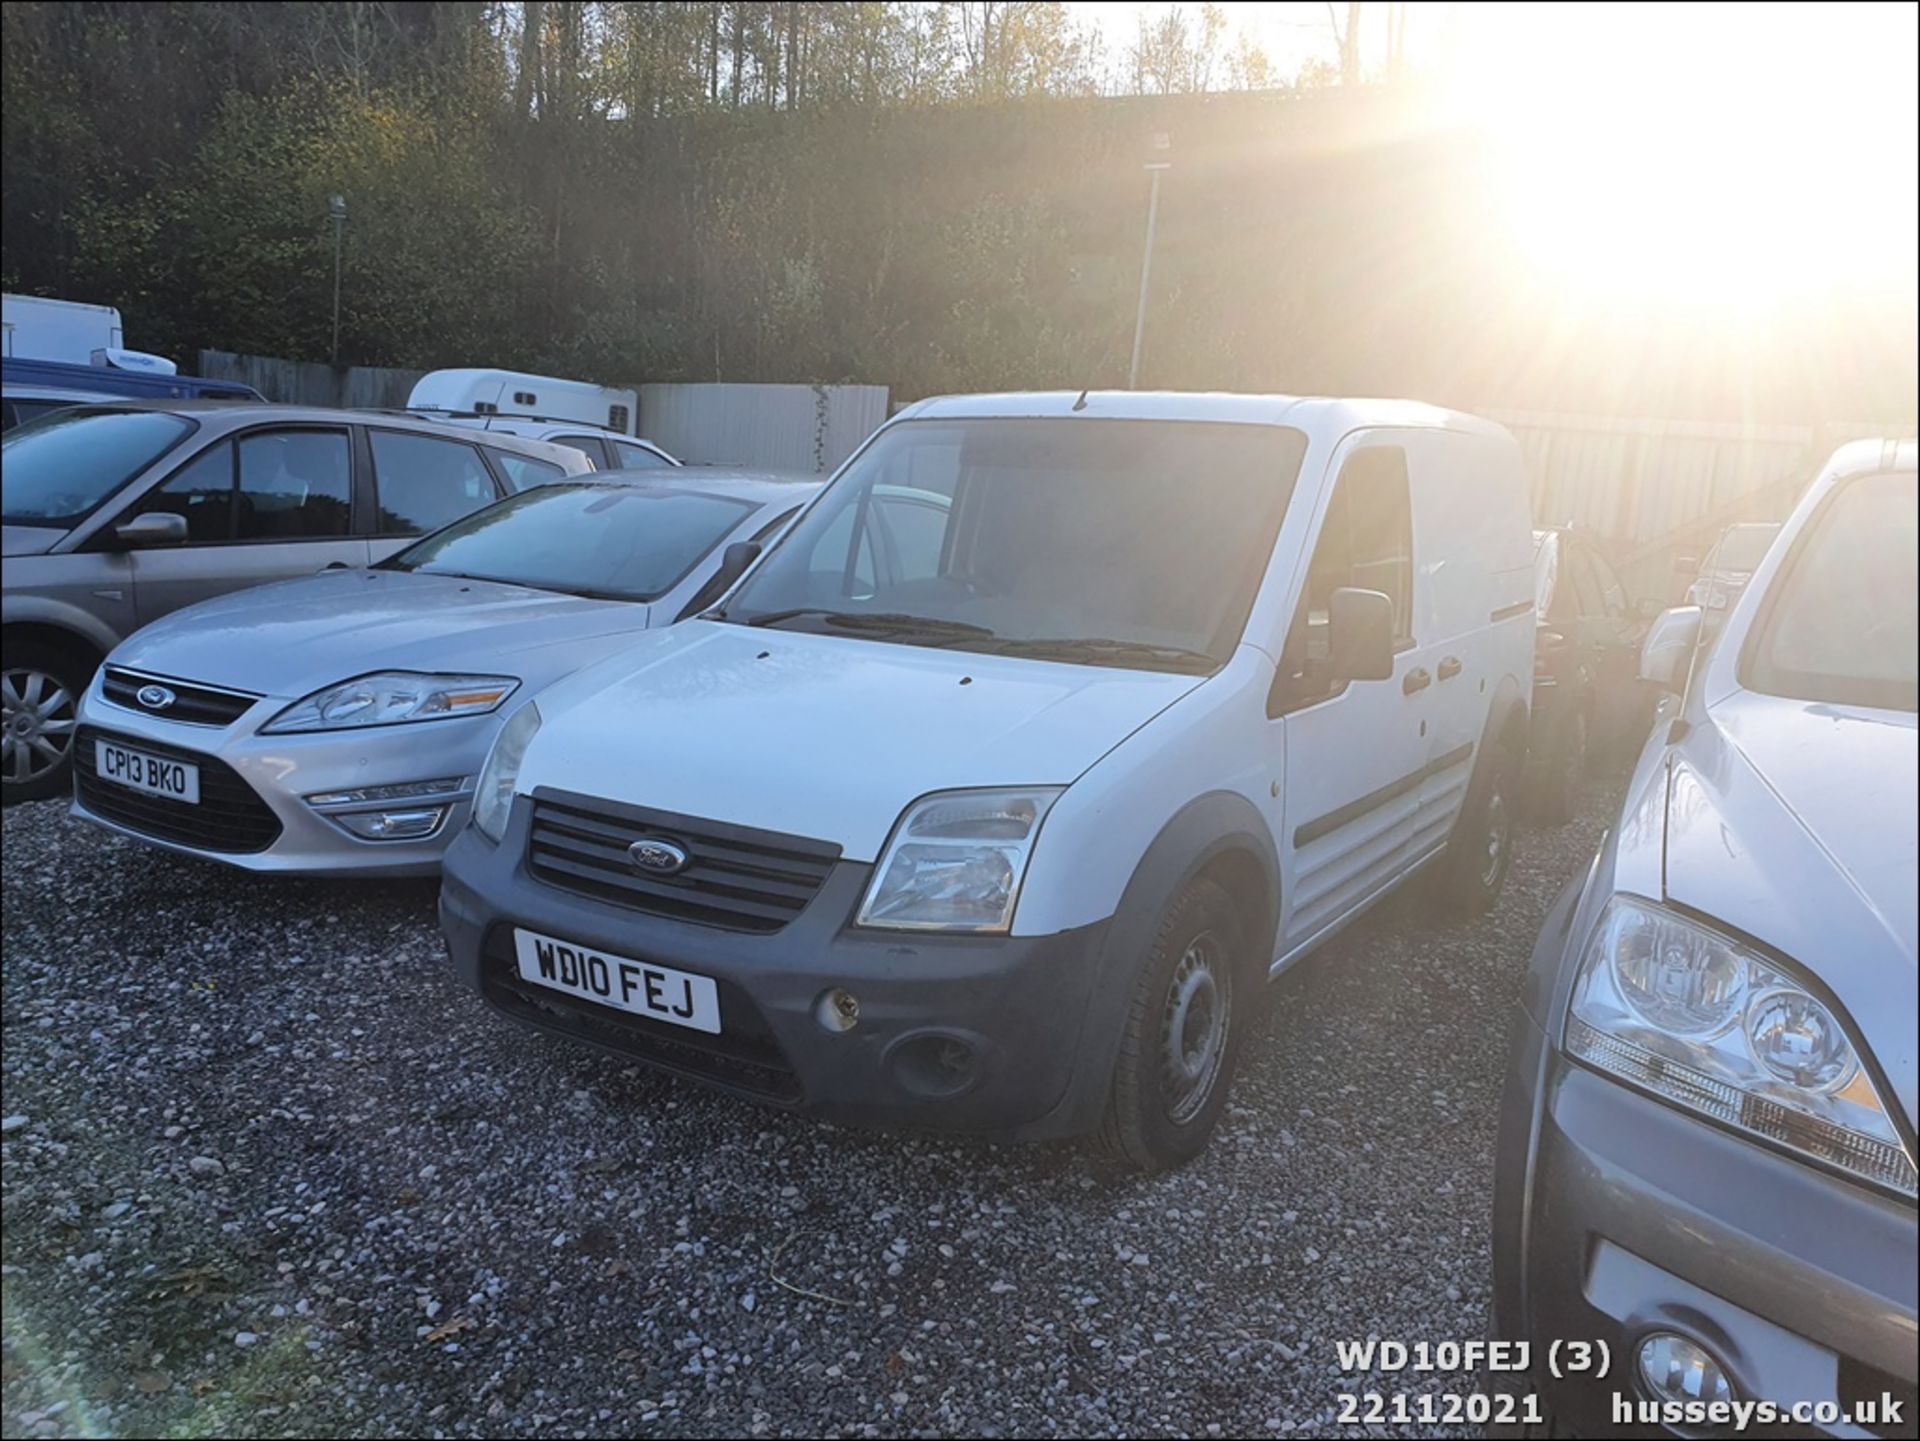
(1706, 1152)
(336, 723)
(116, 515)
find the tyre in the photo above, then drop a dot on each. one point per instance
(1471, 872)
(1190, 1010)
(40, 688)
(1561, 771)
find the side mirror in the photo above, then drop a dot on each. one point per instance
(1666, 655)
(1360, 634)
(153, 528)
(734, 561)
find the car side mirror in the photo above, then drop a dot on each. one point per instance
(1360, 634)
(153, 528)
(1666, 655)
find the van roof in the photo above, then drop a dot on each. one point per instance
(1304, 412)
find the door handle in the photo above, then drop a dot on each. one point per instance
(1450, 667)
(1416, 680)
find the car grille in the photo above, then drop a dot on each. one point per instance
(736, 878)
(230, 816)
(743, 1057)
(200, 705)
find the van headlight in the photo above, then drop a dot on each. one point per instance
(1713, 1027)
(955, 860)
(393, 698)
(493, 796)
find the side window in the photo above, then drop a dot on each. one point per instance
(587, 445)
(294, 485)
(1612, 592)
(832, 572)
(1366, 540)
(773, 527)
(637, 457)
(523, 472)
(1586, 582)
(202, 492)
(424, 482)
(917, 532)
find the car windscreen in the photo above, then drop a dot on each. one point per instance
(1841, 621)
(609, 541)
(56, 470)
(1118, 542)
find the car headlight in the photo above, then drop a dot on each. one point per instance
(955, 860)
(493, 796)
(1713, 1027)
(392, 698)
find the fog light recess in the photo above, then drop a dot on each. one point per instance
(935, 1066)
(1674, 1368)
(837, 1010)
(407, 825)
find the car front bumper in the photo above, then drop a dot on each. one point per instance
(1616, 1214)
(965, 1033)
(261, 783)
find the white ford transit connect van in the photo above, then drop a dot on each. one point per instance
(993, 794)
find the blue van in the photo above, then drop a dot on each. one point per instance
(32, 387)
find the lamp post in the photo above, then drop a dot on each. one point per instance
(1162, 144)
(337, 207)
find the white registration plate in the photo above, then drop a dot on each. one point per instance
(641, 988)
(156, 775)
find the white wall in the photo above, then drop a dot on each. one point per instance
(777, 427)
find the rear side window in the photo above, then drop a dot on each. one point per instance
(294, 485)
(587, 445)
(425, 483)
(523, 472)
(638, 457)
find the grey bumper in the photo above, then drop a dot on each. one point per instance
(966, 1033)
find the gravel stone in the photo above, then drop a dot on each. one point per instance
(612, 1250)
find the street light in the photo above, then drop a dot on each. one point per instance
(337, 207)
(1162, 145)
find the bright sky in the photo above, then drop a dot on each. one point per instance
(1716, 156)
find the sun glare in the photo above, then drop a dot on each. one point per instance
(1730, 157)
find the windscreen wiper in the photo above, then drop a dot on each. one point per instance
(877, 622)
(1101, 650)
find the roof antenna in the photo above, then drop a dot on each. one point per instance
(1081, 403)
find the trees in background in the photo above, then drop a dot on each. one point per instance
(931, 196)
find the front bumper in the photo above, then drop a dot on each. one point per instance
(1616, 1214)
(963, 1033)
(268, 777)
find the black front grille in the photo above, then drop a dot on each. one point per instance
(743, 1057)
(736, 877)
(200, 705)
(230, 816)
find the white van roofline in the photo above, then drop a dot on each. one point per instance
(1304, 412)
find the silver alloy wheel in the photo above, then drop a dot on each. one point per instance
(1494, 857)
(1193, 1028)
(36, 723)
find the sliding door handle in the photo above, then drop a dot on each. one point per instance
(1450, 667)
(1416, 680)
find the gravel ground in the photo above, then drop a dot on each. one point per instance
(267, 1170)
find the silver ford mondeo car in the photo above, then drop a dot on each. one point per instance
(1705, 1185)
(335, 723)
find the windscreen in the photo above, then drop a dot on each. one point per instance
(616, 542)
(56, 470)
(1122, 542)
(1841, 621)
